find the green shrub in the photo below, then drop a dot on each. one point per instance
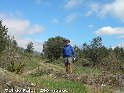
(112, 64)
(52, 48)
(83, 62)
(11, 59)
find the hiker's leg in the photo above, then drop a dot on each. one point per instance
(70, 64)
(67, 68)
(70, 68)
(66, 64)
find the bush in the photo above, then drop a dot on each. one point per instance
(83, 62)
(112, 64)
(52, 48)
(3, 37)
(11, 59)
(95, 51)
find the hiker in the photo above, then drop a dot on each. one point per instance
(68, 56)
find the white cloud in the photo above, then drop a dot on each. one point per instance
(71, 18)
(117, 8)
(35, 29)
(114, 8)
(94, 8)
(23, 42)
(18, 26)
(55, 20)
(70, 4)
(110, 31)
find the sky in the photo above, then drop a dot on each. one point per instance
(78, 20)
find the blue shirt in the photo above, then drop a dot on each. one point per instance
(68, 51)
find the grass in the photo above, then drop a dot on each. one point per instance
(31, 62)
(86, 70)
(78, 69)
(53, 84)
(44, 82)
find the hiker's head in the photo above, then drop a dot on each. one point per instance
(66, 41)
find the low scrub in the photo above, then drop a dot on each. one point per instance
(112, 64)
(12, 60)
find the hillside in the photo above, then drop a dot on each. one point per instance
(41, 75)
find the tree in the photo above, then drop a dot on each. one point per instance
(119, 51)
(79, 52)
(96, 42)
(52, 48)
(10, 56)
(30, 48)
(95, 51)
(3, 37)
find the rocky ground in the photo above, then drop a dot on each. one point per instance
(12, 83)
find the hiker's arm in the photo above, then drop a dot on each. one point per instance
(63, 52)
(73, 52)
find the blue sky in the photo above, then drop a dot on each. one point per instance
(78, 20)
